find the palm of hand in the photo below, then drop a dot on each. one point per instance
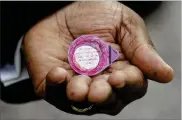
(46, 48)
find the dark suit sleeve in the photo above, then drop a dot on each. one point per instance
(17, 18)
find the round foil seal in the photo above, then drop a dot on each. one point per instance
(89, 55)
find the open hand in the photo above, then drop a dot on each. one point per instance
(46, 47)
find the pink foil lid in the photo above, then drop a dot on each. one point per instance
(89, 55)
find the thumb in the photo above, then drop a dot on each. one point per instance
(139, 50)
(154, 67)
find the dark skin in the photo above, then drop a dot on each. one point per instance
(46, 46)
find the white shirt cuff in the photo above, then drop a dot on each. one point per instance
(11, 74)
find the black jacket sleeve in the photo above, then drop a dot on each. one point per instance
(17, 18)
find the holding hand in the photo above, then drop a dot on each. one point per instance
(46, 50)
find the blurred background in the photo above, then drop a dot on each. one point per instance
(162, 101)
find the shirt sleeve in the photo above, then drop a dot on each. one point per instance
(11, 74)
